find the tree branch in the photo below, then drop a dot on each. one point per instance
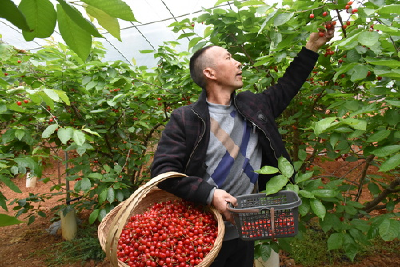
(372, 205)
(363, 175)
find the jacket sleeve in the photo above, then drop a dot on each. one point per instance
(172, 154)
(280, 94)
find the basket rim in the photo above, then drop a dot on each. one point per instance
(255, 209)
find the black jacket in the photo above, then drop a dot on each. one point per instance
(183, 145)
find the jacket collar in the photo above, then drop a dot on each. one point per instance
(201, 107)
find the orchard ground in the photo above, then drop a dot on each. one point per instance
(30, 245)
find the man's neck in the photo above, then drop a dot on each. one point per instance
(219, 97)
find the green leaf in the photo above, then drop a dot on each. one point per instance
(359, 72)
(19, 134)
(52, 94)
(389, 229)
(386, 150)
(103, 196)
(350, 247)
(85, 184)
(79, 137)
(90, 131)
(79, 40)
(194, 41)
(368, 38)
(65, 134)
(318, 208)
(185, 35)
(285, 167)
(387, 29)
(335, 241)
(282, 18)
(378, 136)
(267, 170)
(389, 9)
(93, 216)
(304, 177)
(349, 42)
(390, 164)
(306, 194)
(49, 130)
(63, 95)
(6, 220)
(395, 103)
(114, 8)
(41, 17)
(110, 195)
(383, 62)
(108, 22)
(275, 184)
(10, 12)
(322, 125)
(304, 208)
(355, 123)
(78, 19)
(8, 182)
(324, 193)
(95, 175)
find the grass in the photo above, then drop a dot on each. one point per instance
(83, 248)
(311, 250)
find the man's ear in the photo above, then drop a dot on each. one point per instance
(209, 73)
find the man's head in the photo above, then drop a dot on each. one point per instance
(215, 65)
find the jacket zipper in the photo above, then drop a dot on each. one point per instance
(201, 137)
(254, 128)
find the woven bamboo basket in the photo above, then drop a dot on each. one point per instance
(145, 196)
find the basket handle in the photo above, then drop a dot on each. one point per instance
(123, 214)
(234, 210)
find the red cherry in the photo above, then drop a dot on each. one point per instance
(379, 78)
(19, 103)
(350, 3)
(312, 16)
(348, 23)
(325, 14)
(344, 26)
(26, 101)
(321, 34)
(355, 10)
(159, 98)
(19, 61)
(5, 74)
(347, 7)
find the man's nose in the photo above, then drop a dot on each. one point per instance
(239, 65)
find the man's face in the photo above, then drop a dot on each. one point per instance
(227, 71)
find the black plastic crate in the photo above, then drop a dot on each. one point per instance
(258, 216)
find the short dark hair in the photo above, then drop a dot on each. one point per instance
(197, 64)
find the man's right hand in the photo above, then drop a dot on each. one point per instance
(220, 200)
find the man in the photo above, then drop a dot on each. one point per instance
(221, 139)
